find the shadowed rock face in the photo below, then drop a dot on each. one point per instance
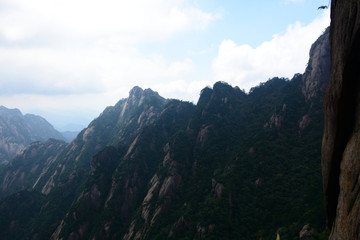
(341, 139)
(317, 74)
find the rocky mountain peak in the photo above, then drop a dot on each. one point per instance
(136, 94)
(137, 97)
(221, 91)
(317, 74)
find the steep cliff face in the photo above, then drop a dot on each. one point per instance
(17, 131)
(317, 74)
(341, 139)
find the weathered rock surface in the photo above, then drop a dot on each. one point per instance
(317, 74)
(341, 139)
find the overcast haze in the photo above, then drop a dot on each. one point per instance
(66, 60)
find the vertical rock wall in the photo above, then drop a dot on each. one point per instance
(317, 73)
(341, 139)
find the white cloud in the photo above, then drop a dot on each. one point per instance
(84, 54)
(283, 56)
(120, 21)
(78, 46)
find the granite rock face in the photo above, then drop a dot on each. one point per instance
(317, 74)
(341, 139)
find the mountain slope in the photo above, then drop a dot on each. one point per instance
(17, 217)
(233, 157)
(240, 176)
(25, 171)
(126, 171)
(17, 131)
(61, 169)
(116, 124)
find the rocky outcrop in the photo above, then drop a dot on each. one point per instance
(315, 80)
(317, 74)
(276, 119)
(341, 139)
(307, 233)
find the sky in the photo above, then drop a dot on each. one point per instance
(66, 60)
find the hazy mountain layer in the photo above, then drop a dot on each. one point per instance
(17, 131)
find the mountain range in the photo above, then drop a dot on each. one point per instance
(234, 166)
(18, 130)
